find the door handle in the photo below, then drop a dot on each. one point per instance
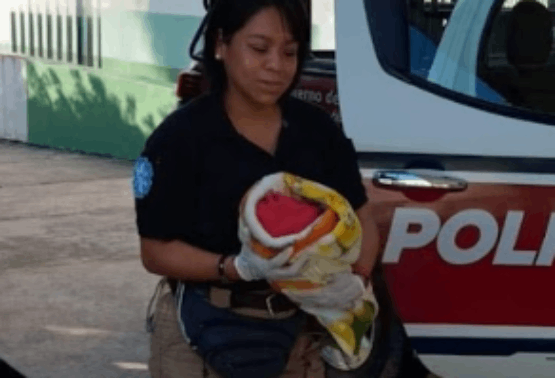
(418, 179)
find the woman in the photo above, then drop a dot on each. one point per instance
(196, 167)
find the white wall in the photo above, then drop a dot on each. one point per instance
(13, 99)
(5, 30)
(323, 24)
(155, 32)
(179, 7)
(53, 8)
(176, 7)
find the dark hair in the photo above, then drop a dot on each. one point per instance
(230, 16)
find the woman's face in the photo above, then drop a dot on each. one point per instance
(261, 59)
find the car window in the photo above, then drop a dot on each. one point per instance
(437, 51)
(518, 57)
(500, 52)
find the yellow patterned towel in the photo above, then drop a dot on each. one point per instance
(326, 286)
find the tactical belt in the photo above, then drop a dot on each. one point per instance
(262, 304)
(251, 299)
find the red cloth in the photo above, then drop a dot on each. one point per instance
(282, 215)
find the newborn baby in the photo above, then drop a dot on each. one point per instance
(283, 210)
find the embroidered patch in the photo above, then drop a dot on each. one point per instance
(142, 177)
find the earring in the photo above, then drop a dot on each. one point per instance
(218, 57)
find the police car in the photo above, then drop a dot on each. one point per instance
(451, 107)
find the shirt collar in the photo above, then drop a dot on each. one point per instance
(224, 127)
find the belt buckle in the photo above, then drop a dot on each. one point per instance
(269, 304)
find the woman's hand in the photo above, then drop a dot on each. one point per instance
(250, 266)
(370, 243)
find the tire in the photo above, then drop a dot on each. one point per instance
(6, 371)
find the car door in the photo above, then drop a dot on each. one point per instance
(456, 141)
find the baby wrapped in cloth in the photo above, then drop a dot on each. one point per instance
(283, 210)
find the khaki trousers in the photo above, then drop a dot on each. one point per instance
(172, 357)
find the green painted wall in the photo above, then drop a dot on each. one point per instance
(90, 111)
(141, 72)
(113, 109)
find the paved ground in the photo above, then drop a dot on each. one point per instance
(73, 290)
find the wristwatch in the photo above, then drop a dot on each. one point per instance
(221, 270)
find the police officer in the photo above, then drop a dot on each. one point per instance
(199, 162)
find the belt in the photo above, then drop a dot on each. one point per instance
(265, 304)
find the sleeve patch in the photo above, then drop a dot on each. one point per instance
(143, 173)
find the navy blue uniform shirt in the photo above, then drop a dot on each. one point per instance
(195, 169)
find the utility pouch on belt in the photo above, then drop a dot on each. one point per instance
(233, 344)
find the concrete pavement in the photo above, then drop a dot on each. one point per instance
(73, 290)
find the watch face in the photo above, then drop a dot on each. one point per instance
(142, 177)
(221, 271)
